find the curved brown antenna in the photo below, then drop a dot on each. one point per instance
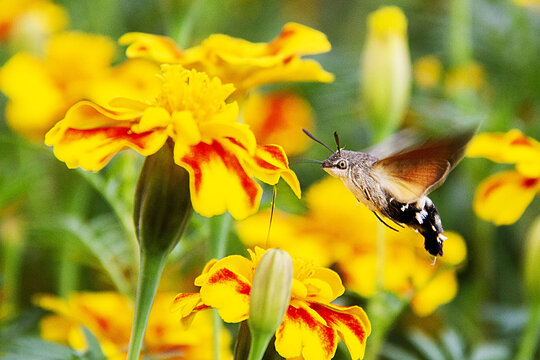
(317, 140)
(336, 137)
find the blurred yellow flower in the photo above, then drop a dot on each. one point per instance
(109, 315)
(278, 118)
(427, 72)
(467, 77)
(533, 4)
(503, 197)
(240, 62)
(312, 325)
(30, 20)
(76, 66)
(386, 69)
(220, 154)
(339, 231)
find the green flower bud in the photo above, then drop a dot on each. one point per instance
(162, 202)
(269, 298)
(386, 69)
(532, 264)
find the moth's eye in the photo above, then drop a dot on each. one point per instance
(342, 164)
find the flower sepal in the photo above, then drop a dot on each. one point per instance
(162, 202)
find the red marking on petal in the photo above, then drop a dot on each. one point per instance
(5, 29)
(181, 296)
(265, 165)
(348, 320)
(287, 60)
(522, 140)
(529, 182)
(325, 333)
(113, 133)
(274, 119)
(492, 188)
(287, 33)
(201, 307)
(236, 142)
(204, 153)
(227, 275)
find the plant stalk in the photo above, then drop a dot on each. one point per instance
(531, 336)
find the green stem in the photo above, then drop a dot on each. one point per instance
(460, 41)
(531, 336)
(383, 310)
(219, 233)
(13, 243)
(259, 343)
(151, 268)
(68, 271)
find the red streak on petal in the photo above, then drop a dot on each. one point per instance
(236, 142)
(348, 320)
(142, 48)
(5, 28)
(181, 296)
(275, 117)
(287, 60)
(529, 182)
(226, 275)
(201, 307)
(326, 334)
(522, 140)
(111, 133)
(287, 33)
(160, 331)
(204, 153)
(102, 323)
(492, 188)
(265, 165)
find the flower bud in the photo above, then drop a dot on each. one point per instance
(269, 298)
(386, 69)
(162, 202)
(532, 263)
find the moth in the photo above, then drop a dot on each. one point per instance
(394, 178)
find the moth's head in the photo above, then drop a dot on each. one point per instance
(339, 162)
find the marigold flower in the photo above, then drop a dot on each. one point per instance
(467, 77)
(109, 315)
(277, 118)
(240, 62)
(220, 154)
(76, 66)
(311, 325)
(339, 231)
(24, 18)
(503, 197)
(427, 72)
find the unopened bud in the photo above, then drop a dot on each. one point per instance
(532, 264)
(386, 69)
(269, 298)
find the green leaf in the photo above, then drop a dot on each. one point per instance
(37, 349)
(94, 348)
(426, 346)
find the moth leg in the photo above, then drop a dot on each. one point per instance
(381, 220)
(385, 213)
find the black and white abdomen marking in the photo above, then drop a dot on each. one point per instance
(425, 220)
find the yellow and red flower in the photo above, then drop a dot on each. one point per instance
(19, 18)
(109, 315)
(220, 154)
(278, 118)
(240, 62)
(76, 66)
(503, 197)
(312, 325)
(335, 230)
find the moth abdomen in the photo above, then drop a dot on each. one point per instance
(426, 220)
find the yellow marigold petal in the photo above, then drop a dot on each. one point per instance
(277, 118)
(299, 40)
(510, 147)
(427, 71)
(236, 263)
(304, 333)
(185, 131)
(212, 168)
(155, 47)
(270, 163)
(351, 323)
(90, 135)
(46, 99)
(152, 118)
(188, 305)
(502, 198)
(228, 292)
(455, 249)
(441, 289)
(331, 289)
(56, 328)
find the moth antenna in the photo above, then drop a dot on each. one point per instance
(336, 137)
(271, 216)
(317, 140)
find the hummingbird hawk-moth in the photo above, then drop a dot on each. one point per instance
(396, 184)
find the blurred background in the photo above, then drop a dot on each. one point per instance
(473, 62)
